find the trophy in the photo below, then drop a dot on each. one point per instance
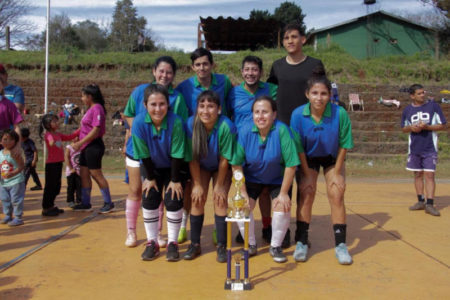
(238, 211)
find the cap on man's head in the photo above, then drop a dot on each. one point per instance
(2, 69)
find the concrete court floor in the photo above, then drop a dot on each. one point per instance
(397, 253)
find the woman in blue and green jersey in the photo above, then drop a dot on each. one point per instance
(158, 140)
(266, 153)
(164, 71)
(323, 134)
(210, 141)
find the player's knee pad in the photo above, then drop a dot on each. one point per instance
(152, 200)
(172, 204)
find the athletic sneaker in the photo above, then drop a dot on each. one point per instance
(192, 252)
(277, 254)
(182, 235)
(6, 219)
(287, 240)
(107, 208)
(82, 207)
(430, 209)
(162, 242)
(52, 212)
(418, 206)
(301, 250)
(214, 237)
(239, 239)
(36, 188)
(267, 234)
(342, 254)
(131, 240)
(252, 251)
(151, 251)
(15, 222)
(221, 254)
(172, 252)
(71, 204)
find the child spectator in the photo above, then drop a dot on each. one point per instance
(72, 159)
(12, 182)
(31, 159)
(53, 163)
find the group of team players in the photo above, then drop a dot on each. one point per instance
(205, 129)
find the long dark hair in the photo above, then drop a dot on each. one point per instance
(46, 123)
(199, 134)
(318, 76)
(94, 91)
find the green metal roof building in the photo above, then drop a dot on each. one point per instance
(377, 34)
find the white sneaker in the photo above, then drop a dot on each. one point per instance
(162, 242)
(131, 240)
(342, 254)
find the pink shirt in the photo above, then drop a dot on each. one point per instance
(56, 152)
(74, 160)
(9, 114)
(94, 117)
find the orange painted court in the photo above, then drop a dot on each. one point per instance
(397, 253)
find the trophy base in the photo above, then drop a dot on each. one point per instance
(240, 285)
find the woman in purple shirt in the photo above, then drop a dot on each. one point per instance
(92, 149)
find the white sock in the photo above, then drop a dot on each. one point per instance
(251, 230)
(151, 218)
(280, 224)
(173, 224)
(185, 218)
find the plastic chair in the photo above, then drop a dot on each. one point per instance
(353, 100)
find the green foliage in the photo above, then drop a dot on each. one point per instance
(92, 37)
(289, 12)
(126, 27)
(258, 15)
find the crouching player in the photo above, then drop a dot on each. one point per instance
(159, 141)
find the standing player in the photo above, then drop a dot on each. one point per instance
(291, 74)
(240, 101)
(323, 134)
(159, 141)
(266, 153)
(421, 120)
(204, 79)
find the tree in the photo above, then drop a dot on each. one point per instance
(62, 34)
(92, 37)
(258, 15)
(126, 26)
(11, 13)
(289, 12)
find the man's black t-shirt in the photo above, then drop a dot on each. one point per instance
(291, 81)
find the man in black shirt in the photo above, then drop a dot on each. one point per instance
(292, 72)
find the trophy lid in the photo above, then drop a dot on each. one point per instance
(237, 175)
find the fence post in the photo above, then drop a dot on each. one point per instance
(7, 35)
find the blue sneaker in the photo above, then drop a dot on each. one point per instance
(301, 250)
(15, 222)
(342, 254)
(6, 219)
(107, 208)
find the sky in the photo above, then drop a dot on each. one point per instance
(174, 22)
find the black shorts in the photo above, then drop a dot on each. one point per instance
(324, 161)
(91, 156)
(255, 189)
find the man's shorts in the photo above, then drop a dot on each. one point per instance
(255, 189)
(324, 161)
(422, 162)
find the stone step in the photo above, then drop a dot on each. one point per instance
(384, 136)
(386, 148)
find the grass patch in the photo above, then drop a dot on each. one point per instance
(341, 67)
